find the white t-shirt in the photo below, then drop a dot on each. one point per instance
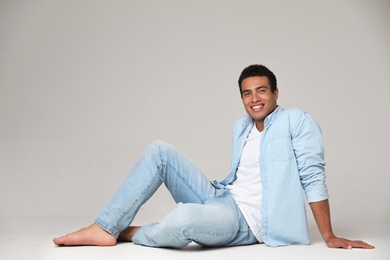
(247, 188)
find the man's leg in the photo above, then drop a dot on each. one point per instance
(217, 222)
(159, 163)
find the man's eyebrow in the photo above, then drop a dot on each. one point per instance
(256, 88)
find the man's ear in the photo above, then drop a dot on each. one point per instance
(276, 93)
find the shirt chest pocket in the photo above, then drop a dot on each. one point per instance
(281, 149)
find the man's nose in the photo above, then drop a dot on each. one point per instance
(255, 97)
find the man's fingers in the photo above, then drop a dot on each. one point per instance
(361, 244)
(349, 244)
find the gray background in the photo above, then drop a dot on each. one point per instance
(85, 86)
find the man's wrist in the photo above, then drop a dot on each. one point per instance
(327, 237)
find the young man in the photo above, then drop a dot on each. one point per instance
(276, 153)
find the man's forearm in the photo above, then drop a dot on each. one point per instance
(321, 213)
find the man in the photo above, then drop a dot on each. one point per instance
(276, 153)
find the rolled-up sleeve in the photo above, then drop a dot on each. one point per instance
(309, 153)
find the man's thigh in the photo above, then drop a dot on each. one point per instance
(184, 180)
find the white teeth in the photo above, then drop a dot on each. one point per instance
(257, 107)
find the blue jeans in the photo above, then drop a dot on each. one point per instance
(204, 214)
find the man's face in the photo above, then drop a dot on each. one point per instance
(258, 99)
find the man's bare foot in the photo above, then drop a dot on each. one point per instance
(93, 235)
(128, 233)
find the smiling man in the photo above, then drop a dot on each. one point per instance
(276, 153)
(259, 98)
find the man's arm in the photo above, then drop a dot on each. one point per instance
(321, 214)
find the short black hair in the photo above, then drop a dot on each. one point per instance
(258, 70)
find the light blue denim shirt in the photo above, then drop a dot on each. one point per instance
(291, 158)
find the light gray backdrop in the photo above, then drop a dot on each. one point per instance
(85, 86)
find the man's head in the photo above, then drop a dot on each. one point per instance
(260, 71)
(259, 93)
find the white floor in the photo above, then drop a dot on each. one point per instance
(32, 239)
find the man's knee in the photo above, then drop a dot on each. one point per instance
(160, 147)
(182, 217)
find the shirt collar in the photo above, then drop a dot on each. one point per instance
(267, 121)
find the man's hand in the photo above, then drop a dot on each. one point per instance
(321, 214)
(336, 242)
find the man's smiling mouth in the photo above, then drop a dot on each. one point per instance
(257, 107)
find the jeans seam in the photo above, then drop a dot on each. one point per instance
(137, 200)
